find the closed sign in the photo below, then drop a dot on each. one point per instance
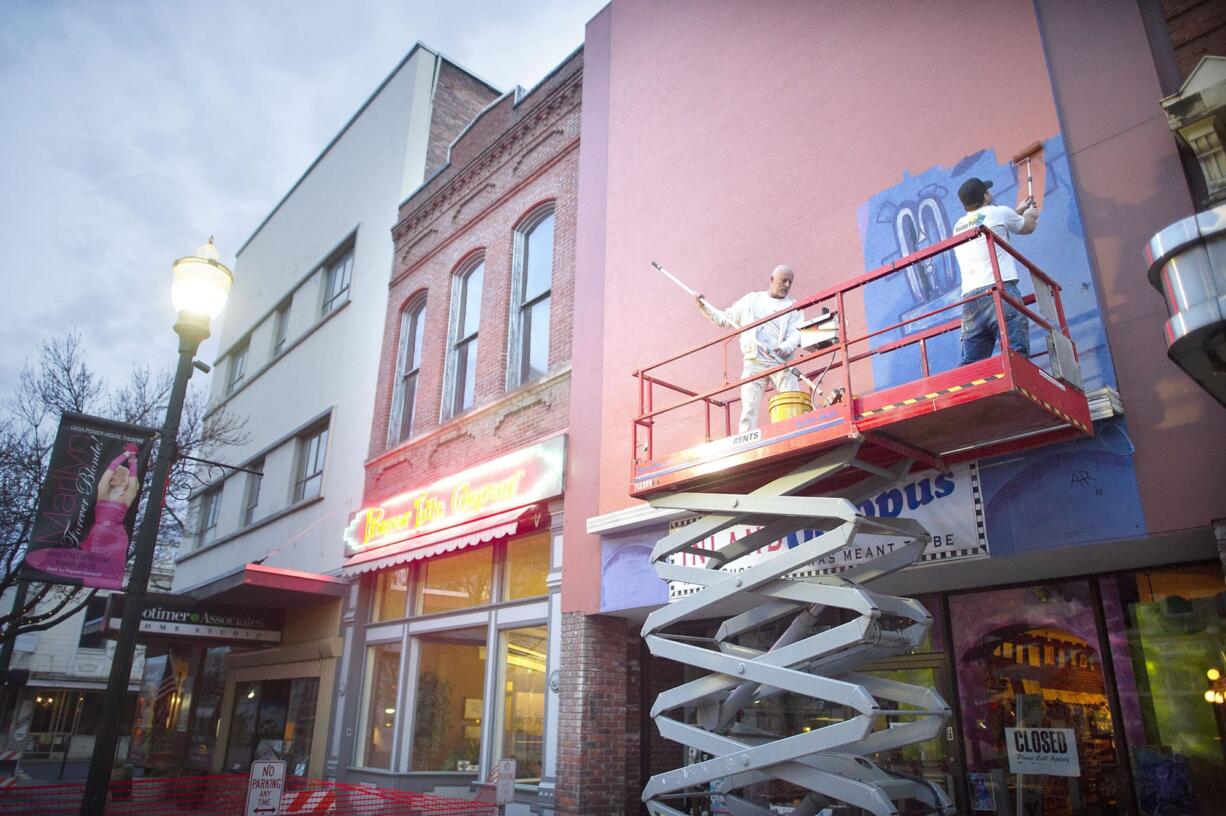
(1051, 751)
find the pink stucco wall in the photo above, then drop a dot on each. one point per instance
(738, 135)
(742, 135)
(1130, 183)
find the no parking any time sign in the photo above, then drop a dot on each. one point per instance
(265, 785)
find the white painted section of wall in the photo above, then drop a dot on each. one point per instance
(356, 185)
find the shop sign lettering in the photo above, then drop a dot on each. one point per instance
(944, 503)
(515, 480)
(1051, 751)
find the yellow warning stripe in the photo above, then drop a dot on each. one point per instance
(1052, 409)
(953, 389)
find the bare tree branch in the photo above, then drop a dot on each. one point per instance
(59, 380)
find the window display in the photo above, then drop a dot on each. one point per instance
(450, 699)
(1030, 669)
(523, 706)
(1168, 639)
(382, 695)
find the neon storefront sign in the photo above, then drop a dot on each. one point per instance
(506, 483)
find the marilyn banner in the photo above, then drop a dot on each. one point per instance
(949, 505)
(87, 504)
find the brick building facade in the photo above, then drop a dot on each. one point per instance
(454, 656)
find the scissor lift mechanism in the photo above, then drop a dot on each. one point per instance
(830, 762)
(848, 451)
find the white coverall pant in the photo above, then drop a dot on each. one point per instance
(751, 392)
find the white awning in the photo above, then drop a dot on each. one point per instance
(469, 534)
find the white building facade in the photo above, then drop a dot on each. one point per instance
(300, 346)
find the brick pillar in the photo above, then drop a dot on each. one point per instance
(633, 784)
(592, 720)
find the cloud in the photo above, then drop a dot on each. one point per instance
(137, 129)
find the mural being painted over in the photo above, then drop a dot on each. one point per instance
(921, 210)
(1059, 495)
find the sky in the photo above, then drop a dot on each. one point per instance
(135, 129)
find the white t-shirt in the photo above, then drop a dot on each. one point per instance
(782, 333)
(973, 256)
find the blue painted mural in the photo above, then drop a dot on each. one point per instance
(1057, 495)
(921, 210)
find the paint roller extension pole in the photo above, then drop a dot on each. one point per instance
(674, 279)
(1025, 154)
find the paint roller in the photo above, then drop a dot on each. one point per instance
(1025, 155)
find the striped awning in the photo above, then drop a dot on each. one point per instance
(481, 531)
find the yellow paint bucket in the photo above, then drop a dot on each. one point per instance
(788, 404)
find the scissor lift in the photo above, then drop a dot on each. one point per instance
(807, 473)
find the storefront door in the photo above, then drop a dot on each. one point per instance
(939, 760)
(273, 719)
(1037, 719)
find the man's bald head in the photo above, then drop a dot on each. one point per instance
(781, 281)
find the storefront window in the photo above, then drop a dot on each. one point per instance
(382, 694)
(1037, 719)
(160, 726)
(1168, 638)
(300, 725)
(527, 566)
(207, 720)
(391, 595)
(457, 581)
(523, 707)
(450, 699)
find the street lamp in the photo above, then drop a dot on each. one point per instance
(199, 291)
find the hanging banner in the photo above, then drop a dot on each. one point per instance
(948, 505)
(87, 504)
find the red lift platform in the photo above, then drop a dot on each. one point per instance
(1005, 403)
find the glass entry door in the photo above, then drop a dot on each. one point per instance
(273, 719)
(937, 760)
(1040, 736)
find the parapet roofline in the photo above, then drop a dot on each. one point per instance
(418, 46)
(518, 95)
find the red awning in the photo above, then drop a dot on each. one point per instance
(469, 534)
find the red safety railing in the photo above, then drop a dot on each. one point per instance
(226, 795)
(842, 355)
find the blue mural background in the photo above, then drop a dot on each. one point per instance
(1071, 493)
(921, 210)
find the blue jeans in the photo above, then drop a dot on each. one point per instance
(979, 331)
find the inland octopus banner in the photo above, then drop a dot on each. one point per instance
(88, 502)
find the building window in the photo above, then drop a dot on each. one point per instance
(95, 608)
(404, 401)
(527, 567)
(280, 327)
(524, 653)
(210, 507)
(466, 319)
(1169, 652)
(382, 694)
(251, 501)
(456, 581)
(531, 283)
(336, 281)
(391, 595)
(450, 701)
(312, 448)
(238, 367)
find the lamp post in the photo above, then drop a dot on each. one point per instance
(201, 285)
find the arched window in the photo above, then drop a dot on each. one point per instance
(531, 285)
(462, 353)
(408, 362)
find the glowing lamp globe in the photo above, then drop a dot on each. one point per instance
(201, 283)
